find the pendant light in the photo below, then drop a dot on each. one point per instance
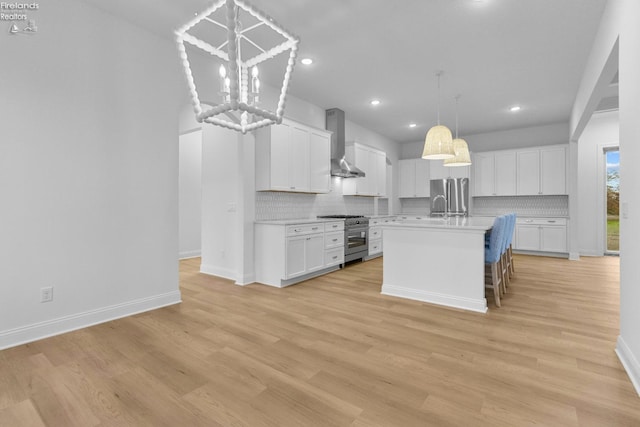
(439, 143)
(460, 148)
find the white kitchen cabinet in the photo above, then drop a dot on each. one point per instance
(288, 253)
(319, 165)
(505, 173)
(292, 157)
(541, 235)
(542, 171)
(373, 163)
(413, 178)
(484, 174)
(495, 173)
(553, 170)
(375, 235)
(305, 254)
(437, 170)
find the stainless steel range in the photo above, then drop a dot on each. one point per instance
(356, 235)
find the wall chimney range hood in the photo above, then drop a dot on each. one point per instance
(339, 165)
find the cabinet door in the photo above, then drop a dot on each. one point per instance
(554, 238)
(422, 178)
(280, 155)
(381, 172)
(299, 159)
(407, 178)
(553, 170)
(319, 163)
(528, 172)
(483, 167)
(314, 252)
(528, 237)
(505, 173)
(295, 262)
(437, 169)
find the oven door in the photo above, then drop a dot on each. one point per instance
(356, 240)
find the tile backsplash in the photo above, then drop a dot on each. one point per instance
(277, 205)
(417, 206)
(545, 206)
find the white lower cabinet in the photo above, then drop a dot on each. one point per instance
(305, 254)
(289, 253)
(541, 235)
(375, 234)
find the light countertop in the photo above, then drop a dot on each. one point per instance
(452, 223)
(298, 221)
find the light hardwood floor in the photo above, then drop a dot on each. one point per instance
(333, 351)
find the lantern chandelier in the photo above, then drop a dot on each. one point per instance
(460, 148)
(238, 75)
(438, 143)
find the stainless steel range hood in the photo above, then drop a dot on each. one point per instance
(339, 165)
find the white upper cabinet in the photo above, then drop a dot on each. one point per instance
(439, 171)
(553, 170)
(413, 178)
(505, 173)
(542, 171)
(374, 165)
(525, 172)
(319, 167)
(484, 174)
(293, 157)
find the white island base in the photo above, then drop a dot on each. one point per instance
(436, 261)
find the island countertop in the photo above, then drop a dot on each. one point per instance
(477, 224)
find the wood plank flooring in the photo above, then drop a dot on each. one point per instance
(332, 351)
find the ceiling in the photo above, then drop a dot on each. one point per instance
(494, 53)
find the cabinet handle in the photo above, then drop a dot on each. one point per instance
(334, 226)
(539, 192)
(296, 230)
(308, 238)
(528, 220)
(314, 228)
(292, 188)
(335, 257)
(550, 221)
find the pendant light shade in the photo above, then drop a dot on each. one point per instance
(461, 151)
(438, 143)
(460, 148)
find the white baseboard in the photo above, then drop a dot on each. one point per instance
(478, 305)
(49, 328)
(247, 279)
(212, 270)
(189, 254)
(630, 362)
(574, 256)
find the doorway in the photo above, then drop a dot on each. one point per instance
(612, 202)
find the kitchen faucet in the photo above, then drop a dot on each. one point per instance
(446, 204)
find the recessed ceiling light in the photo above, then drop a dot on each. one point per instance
(514, 108)
(307, 61)
(375, 102)
(412, 125)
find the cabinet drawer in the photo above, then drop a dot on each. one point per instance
(334, 256)
(334, 240)
(375, 246)
(334, 226)
(375, 233)
(297, 230)
(542, 221)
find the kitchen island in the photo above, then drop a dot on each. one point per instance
(440, 261)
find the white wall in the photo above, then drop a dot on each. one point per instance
(601, 131)
(621, 24)
(629, 340)
(88, 172)
(190, 194)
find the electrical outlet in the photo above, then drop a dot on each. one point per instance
(46, 294)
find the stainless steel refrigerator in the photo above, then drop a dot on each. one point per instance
(450, 196)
